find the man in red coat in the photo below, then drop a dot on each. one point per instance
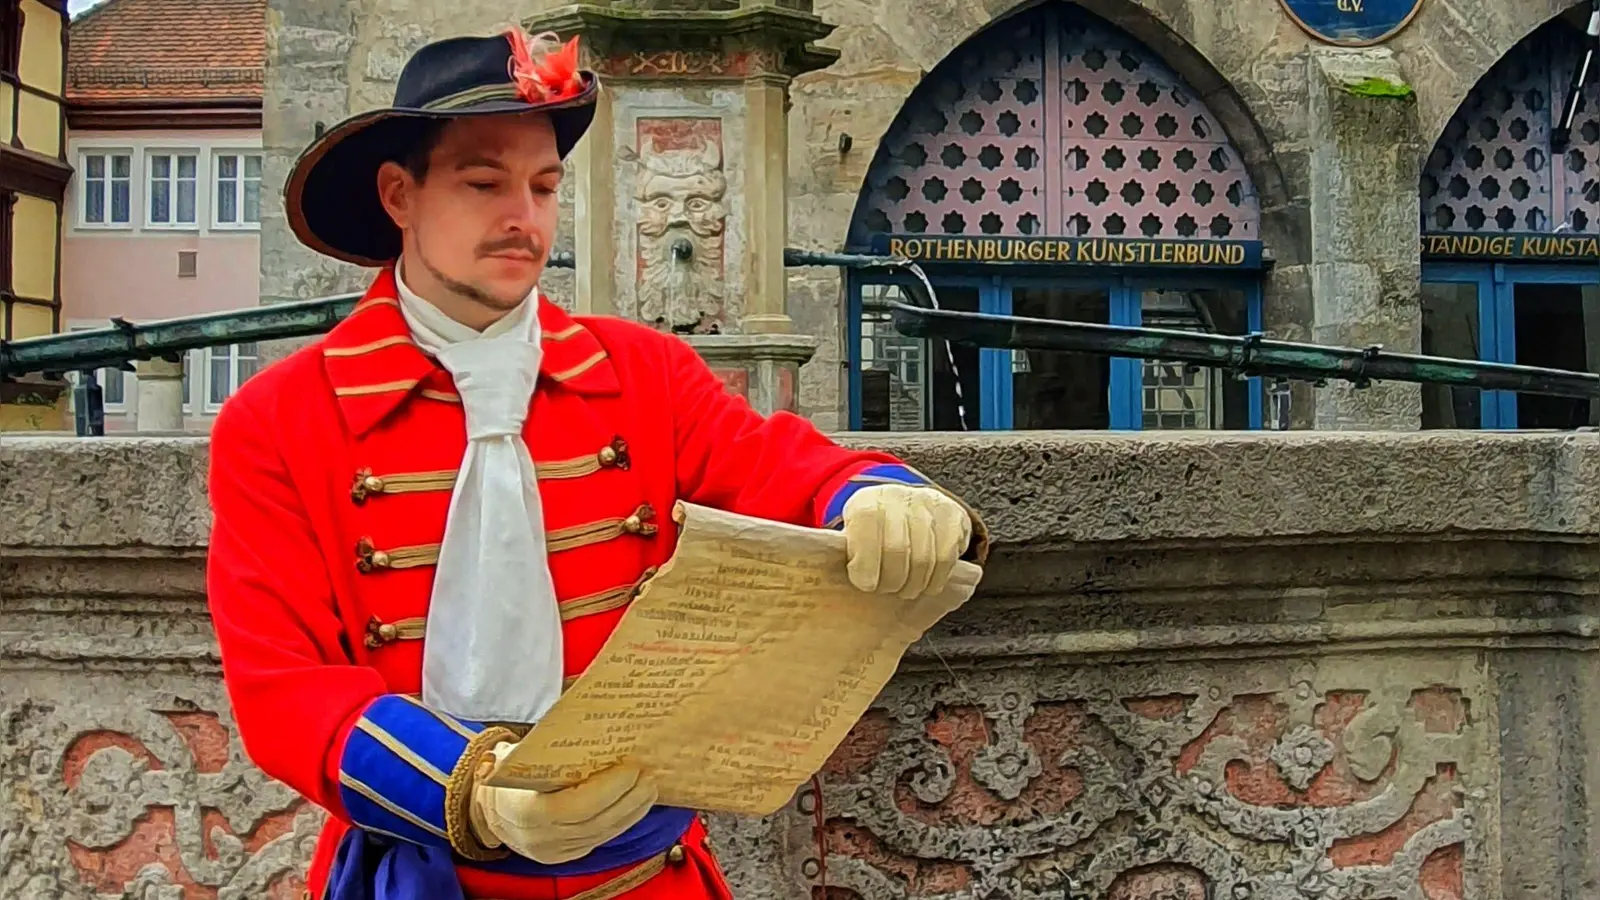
(429, 521)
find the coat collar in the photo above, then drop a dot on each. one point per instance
(375, 367)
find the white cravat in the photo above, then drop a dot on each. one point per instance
(492, 647)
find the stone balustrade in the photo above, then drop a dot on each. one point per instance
(1295, 665)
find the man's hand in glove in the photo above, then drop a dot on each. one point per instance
(904, 540)
(560, 826)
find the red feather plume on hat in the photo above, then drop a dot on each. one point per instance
(544, 69)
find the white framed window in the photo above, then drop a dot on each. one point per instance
(113, 388)
(237, 190)
(105, 189)
(1179, 397)
(226, 369)
(894, 368)
(172, 188)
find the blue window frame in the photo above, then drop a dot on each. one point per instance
(1134, 390)
(1495, 288)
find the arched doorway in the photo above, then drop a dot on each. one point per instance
(1053, 166)
(1510, 220)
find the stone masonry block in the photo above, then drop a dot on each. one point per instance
(1366, 262)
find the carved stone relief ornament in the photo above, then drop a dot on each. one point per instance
(681, 190)
(691, 63)
(149, 797)
(1236, 783)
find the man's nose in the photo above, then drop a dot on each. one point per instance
(522, 207)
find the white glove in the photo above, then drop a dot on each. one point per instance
(903, 540)
(560, 826)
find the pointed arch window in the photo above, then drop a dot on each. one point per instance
(1055, 166)
(1511, 234)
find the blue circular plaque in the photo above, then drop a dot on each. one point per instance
(1352, 23)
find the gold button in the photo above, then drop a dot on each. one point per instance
(380, 559)
(608, 456)
(632, 524)
(387, 631)
(372, 483)
(359, 488)
(676, 855)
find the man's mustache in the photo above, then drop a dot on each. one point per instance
(526, 244)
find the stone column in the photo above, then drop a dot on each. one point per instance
(1366, 263)
(681, 196)
(766, 194)
(159, 396)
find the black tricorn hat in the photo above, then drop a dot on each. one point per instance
(331, 197)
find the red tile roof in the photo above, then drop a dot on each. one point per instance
(168, 50)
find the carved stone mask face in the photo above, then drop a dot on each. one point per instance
(682, 216)
(692, 200)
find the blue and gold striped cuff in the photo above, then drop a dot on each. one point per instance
(396, 766)
(887, 473)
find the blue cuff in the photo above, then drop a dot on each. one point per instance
(891, 473)
(395, 765)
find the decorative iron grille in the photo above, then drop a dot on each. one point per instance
(1493, 170)
(1054, 122)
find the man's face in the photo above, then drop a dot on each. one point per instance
(479, 223)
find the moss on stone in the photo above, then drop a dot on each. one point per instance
(1379, 87)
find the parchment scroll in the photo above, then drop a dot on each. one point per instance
(735, 673)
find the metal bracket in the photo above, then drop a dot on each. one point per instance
(1358, 377)
(88, 405)
(1242, 364)
(1281, 396)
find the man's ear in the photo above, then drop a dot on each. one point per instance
(394, 192)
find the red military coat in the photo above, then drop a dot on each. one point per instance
(331, 474)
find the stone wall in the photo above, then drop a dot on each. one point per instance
(1307, 665)
(1254, 67)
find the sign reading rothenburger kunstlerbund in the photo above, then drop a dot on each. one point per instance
(1072, 251)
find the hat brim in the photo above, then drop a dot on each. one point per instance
(331, 197)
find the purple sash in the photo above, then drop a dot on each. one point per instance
(373, 867)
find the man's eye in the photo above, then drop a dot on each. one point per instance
(481, 185)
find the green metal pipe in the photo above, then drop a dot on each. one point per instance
(1247, 355)
(124, 343)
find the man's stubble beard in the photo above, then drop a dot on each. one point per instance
(471, 292)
